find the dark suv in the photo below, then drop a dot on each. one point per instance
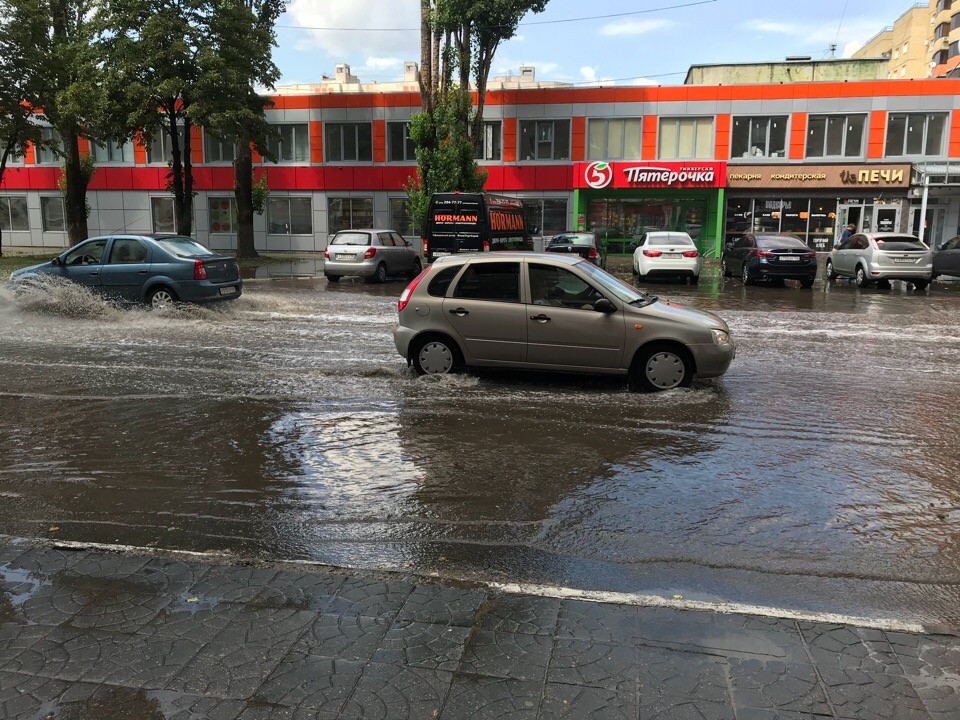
(770, 257)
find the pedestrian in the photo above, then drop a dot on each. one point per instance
(848, 231)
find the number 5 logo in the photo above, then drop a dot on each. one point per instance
(598, 175)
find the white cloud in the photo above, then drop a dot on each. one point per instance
(819, 36)
(589, 73)
(851, 47)
(635, 27)
(342, 43)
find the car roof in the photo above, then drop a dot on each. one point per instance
(507, 255)
(367, 230)
(660, 233)
(882, 235)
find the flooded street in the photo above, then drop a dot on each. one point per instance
(823, 473)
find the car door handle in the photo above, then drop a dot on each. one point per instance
(460, 312)
(141, 272)
(540, 318)
(95, 272)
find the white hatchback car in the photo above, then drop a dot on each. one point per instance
(667, 254)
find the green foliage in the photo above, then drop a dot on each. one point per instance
(23, 41)
(261, 194)
(88, 168)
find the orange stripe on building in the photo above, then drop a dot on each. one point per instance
(954, 139)
(798, 136)
(722, 142)
(648, 150)
(196, 145)
(316, 141)
(578, 137)
(29, 154)
(379, 141)
(509, 139)
(876, 134)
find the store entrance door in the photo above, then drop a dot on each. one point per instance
(933, 232)
(886, 218)
(850, 215)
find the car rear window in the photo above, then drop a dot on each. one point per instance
(572, 240)
(490, 281)
(441, 281)
(351, 238)
(766, 243)
(669, 240)
(183, 247)
(901, 243)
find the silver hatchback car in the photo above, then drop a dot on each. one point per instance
(373, 254)
(553, 312)
(871, 258)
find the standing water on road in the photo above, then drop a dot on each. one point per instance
(822, 474)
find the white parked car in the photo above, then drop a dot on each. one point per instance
(667, 254)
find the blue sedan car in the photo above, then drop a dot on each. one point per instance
(154, 269)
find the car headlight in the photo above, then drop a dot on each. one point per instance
(721, 337)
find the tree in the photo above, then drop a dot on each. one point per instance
(154, 49)
(23, 41)
(228, 104)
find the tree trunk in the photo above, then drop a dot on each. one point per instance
(187, 219)
(243, 194)
(426, 69)
(7, 151)
(484, 62)
(75, 189)
(176, 169)
(436, 72)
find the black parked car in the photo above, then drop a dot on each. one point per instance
(585, 244)
(770, 257)
(946, 261)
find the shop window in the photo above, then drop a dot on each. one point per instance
(348, 142)
(216, 150)
(549, 216)
(686, 138)
(290, 216)
(50, 149)
(614, 139)
(160, 148)
(759, 137)
(111, 152)
(164, 218)
(291, 144)
(489, 148)
(400, 218)
(400, 148)
(13, 214)
(916, 134)
(545, 140)
(349, 214)
(223, 215)
(622, 223)
(836, 135)
(53, 214)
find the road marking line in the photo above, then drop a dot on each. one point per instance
(550, 591)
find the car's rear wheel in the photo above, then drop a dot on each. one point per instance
(724, 270)
(920, 285)
(806, 283)
(694, 279)
(161, 297)
(380, 274)
(436, 355)
(831, 273)
(861, 277)
(332, 278)
(659, 368)
(746, 276)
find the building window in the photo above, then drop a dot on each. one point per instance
(164, 219)
(349, 214)
(916, 134)
(545, 140)
(489, 148)
(110, 152)
(759, 137)
(50, 150)
(348, 142)
(686, 138)
(549, 216)
(53, 215)
(160, 149)
(223, 214)
(216, 150)
(614, 139)
(292, 144)
(400, 219)
(400, 148)
(13, 214)
(290, 216)
(836, 135)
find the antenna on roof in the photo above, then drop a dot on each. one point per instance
(120, 230)
(833, 51)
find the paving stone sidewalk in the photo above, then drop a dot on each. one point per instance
(90, 635)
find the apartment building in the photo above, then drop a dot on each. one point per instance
(905, 45)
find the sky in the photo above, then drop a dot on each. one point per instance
(654, 47)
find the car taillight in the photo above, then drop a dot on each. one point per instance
(593, 254)
(486, 246)
(690, 253)
(652, 253)
(765, 255)
(811, 256)
(424, 246)
(408, 290)
(371, 252)
(326, 254)
(199, 270)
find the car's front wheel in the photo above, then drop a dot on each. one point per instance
(436, 355)
(659, 368)
(746, 276)
(161, 297)
(417, 267)
(831, 273)
(724, 270)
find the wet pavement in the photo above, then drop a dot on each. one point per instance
(102, 636)
(821, 474)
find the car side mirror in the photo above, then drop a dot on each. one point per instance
(56, 261)
(534, 230)
(605, 306)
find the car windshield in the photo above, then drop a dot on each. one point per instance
(669, 240)
(182, 247)
(900, 243)
(572, 240)
(351, 238)
(624, 292)
(777, 241)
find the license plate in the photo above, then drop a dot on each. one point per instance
(441, 254)
(228, 291)
(345, 256)
(671, 256)
(789, 258)
(903, 260)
